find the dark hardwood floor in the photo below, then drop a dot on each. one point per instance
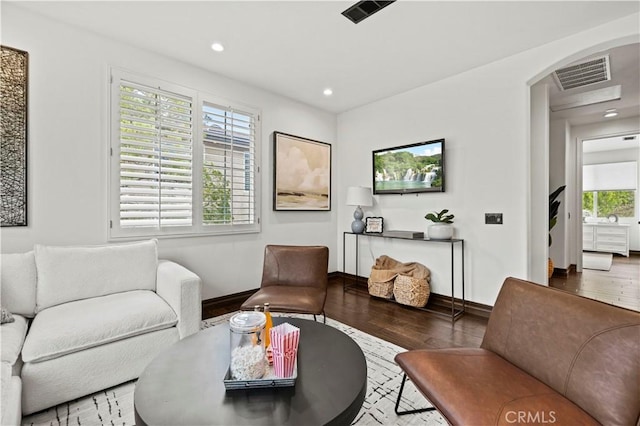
(619, 286)
(404, 326)
(415, 329)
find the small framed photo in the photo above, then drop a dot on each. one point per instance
(373, 225)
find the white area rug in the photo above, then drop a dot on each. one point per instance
(598, 261)
(115, 406)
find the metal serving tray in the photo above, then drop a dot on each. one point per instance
(269, 380)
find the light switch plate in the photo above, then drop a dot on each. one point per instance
(493, 218)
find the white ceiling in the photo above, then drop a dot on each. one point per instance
(298, 48)
(611, 144)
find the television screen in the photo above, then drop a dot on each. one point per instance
(409, 169)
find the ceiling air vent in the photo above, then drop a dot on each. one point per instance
(592, 71)
(363, 9)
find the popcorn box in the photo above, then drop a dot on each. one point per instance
(284, 344)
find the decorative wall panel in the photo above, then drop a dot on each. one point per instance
(13, 137)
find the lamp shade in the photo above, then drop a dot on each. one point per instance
(359, 196)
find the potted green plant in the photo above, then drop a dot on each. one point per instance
(554, 205)
(441, 228)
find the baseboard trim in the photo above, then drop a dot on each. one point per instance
(235, 298)
(439, 300)
(560, 272)
(228, 300)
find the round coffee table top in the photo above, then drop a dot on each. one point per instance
(184, 385)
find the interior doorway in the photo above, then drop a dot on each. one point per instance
(609, 197)
(607, 177)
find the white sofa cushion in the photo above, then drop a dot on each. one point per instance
(18, 277)
(10, 393)
(83, 324)
(66, 274)
(48, 383)
(12, 335)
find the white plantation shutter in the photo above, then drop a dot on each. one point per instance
(229, 141)
(164, 180)
(156, 134)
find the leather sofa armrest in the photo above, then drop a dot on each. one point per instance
(181, 289)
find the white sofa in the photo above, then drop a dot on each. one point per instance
(87, 318)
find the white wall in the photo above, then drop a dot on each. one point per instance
(558, 251)
(484, 115)
(67, 170)
(538, 185)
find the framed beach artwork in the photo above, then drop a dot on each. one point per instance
(302, 174)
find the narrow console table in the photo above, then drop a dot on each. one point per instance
(455, 313)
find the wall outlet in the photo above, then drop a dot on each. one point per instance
(493, 218)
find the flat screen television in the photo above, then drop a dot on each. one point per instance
(409, 169)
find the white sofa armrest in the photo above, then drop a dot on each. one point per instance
(181, 289)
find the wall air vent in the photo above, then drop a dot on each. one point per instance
(363, 9)
(592, 71)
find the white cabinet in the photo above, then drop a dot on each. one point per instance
(611, 238)
(588, 237)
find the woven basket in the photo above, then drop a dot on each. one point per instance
(381, 282)
(411, 291)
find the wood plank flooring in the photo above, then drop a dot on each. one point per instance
(619, 286)
(403, 326)
(415, 329)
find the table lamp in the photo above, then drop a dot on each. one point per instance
(358, 196)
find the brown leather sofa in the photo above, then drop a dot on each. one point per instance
(294, 279)
(547, 357)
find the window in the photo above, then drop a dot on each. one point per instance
(228, 146)
(609, 188)
(166, 180)
(604, 203)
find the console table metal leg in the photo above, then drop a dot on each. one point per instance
(357, 257)
(453, 281)
(344, 263)
(464, 300)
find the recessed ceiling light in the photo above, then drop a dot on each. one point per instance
(217, 47)
(328, 92)
(610, 113)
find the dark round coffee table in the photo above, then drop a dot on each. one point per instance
(184, 385)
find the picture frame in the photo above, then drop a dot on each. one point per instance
(374, 225)
(14, 68)
(301, 174)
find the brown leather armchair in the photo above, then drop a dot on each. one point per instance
(294, 279)
(547, 356)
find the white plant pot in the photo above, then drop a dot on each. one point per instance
(440, 231)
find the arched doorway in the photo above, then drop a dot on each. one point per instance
(543, 173)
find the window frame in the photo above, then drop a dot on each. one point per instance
(197, 227)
